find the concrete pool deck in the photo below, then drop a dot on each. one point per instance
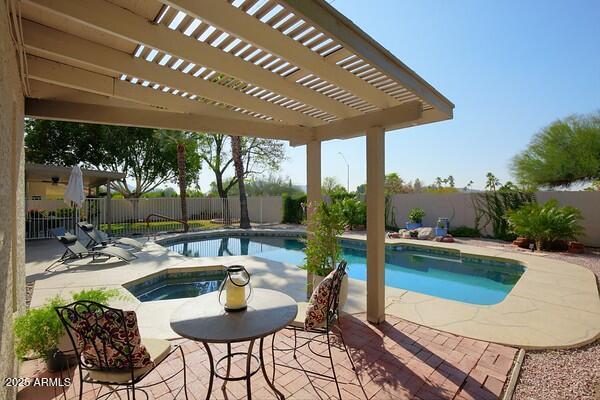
(554, 304)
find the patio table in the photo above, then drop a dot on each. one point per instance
(204, 320)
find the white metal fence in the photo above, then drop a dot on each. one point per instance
(127, 216)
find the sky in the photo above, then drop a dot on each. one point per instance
(510, 67)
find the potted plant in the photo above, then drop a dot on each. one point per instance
(546, 224)
(415, 218)
(441, 229)
(38, 331)
(323, 251)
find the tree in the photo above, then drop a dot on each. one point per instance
(258, 156)
(393, 184)
(450, 181)
(417, 186)
(269, 186)
(362, 188)
(491, 182)
(330, 184)
(563, 153)
(140, 153)
(236, 154)
(182, 140)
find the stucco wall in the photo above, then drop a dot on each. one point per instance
(12, 251)
(459, 208)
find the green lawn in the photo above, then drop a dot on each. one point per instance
(140, 227)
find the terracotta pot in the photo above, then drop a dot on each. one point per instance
(343, 290)
(521, 242)
(576, 247)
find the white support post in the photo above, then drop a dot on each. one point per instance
(313, 172)
(375, 225)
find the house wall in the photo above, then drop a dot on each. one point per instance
(46, 191)
(12, 250)
(459, 208)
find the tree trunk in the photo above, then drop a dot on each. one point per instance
(182, 183)
(226, 216)
(236, 153)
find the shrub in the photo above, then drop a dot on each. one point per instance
(354, 212)
(493, 206)
(292, 208)
(38, 330)
(545, 224)
(416, 215)
(64, 212)
(323, 250)
(101, 296)
(464, 231)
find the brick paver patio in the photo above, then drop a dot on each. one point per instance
(395, 360)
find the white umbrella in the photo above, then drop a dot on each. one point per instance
(74, 194)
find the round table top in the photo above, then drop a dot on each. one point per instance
(204, 318)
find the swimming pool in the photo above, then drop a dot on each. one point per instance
(434, 272)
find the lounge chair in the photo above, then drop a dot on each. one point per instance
(75, 249)
(99, 238)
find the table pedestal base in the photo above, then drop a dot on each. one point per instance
(249, 372)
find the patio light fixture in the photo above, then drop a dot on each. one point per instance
(234, 285)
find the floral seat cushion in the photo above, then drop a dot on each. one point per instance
(106, 342)
(316, 312)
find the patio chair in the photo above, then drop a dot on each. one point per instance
(110, 351)
(74, 249)
(99, 238)
(332, 286)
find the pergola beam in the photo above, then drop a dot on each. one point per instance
(335, 24)
(63, 47)
(76, 78)
(95, 114)
(114, 20)
(389, 119)
(237, 22)
(48, 91)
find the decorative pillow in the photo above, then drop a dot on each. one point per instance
(316, 312)
(105, 342)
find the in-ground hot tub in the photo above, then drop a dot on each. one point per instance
(176, 284)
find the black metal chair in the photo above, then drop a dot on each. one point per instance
(99, 332)
(332, 321)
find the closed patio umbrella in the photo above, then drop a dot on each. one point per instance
(74, 195)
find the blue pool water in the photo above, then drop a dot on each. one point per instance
(440, 274)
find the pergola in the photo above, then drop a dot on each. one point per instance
(295, 70)
(57, 174)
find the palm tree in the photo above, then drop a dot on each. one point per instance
(236, 154)
(492, 182)
(182, 183)
(181, 140)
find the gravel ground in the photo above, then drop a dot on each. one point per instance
(559, 374)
